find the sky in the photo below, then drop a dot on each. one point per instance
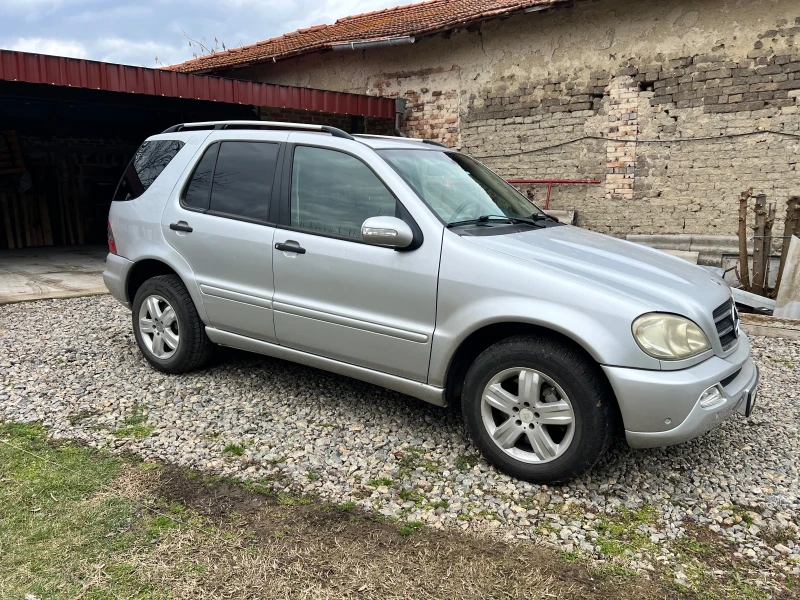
(135, 32)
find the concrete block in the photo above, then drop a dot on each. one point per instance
(772, 327)
(788, 300)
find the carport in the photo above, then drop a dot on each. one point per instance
(68, 127)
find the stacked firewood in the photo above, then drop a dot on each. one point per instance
(29, 217)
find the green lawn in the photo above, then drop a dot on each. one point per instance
(60, 525)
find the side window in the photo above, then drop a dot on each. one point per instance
(198, 192)
(147, 164)
(334, 192)
(242, 183)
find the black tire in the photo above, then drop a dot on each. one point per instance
(194, 348)
(579, 377)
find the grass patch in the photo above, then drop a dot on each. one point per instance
(408, 495)
(779, 535)
(82, 415)
(134, 425)
(781, 361)
(465, 462)
(744, 514)
(614, 573)
(137, 432)
(346, 506)
(619, 533)
(379, 482)
(233, 449)
(58, 524)
(410, 528)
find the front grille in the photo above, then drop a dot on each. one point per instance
(725, 320)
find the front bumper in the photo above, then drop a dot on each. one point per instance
(116, 277)
(662, 408)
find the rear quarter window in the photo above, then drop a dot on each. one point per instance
(146, 165)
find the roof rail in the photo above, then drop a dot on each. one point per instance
(402, 139)
(334, 131)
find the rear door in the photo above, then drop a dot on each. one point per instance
(336, 296)
(220, 223)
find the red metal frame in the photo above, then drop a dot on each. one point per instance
(94, 75)
(551, 182)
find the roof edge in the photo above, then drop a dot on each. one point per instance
(418, 34)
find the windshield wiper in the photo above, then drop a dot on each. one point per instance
(488, 218)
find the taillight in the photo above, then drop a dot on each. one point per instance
(112, 245)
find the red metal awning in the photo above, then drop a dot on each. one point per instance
(94, 75)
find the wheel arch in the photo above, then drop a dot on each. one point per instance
(143, 270)
(488, 335)
(153, 266)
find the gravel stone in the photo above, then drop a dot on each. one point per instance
(73, 366)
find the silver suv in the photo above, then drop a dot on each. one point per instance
(405, 264)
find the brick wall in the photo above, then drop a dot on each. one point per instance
(532, 94)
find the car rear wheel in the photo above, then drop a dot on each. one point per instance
(167, 328)
(538, 409)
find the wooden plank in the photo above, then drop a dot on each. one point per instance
(7, 222)
(63, 190)
(744, 261)
(60, 203)
(771, 326)
(18, 220)
(790, 226)
(77, 204)
(47, 231)
(25, 220)
(759, 254)
(33, 215)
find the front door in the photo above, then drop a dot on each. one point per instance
(220, 225)
(338, 297)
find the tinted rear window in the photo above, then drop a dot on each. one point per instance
(198, 192)
(243, 179)
(147, 164)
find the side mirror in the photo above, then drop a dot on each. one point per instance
(387, 231)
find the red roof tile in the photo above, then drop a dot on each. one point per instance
(410, 20)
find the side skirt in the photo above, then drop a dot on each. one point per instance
(423, 391)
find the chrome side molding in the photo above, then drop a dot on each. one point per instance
(416, 389)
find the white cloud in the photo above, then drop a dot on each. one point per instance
(35, 10)
(142, 53)
(107, 15)
(53, 46)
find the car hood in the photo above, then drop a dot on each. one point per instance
(662, 281)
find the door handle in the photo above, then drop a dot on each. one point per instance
(290, 247)
(181, 226)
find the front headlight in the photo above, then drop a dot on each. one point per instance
(669, 337)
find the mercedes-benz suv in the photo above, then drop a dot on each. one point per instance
(406, 264)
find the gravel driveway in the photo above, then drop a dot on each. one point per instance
(74, 366)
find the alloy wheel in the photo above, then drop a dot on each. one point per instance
(527, 415)
(158, 325)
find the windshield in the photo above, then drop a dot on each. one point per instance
(458, 188)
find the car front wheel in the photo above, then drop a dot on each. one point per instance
(538, 409)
